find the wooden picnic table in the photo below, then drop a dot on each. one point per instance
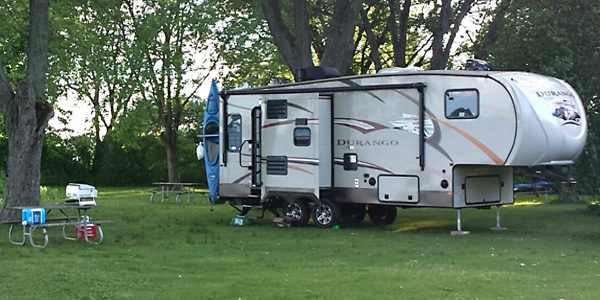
(177, 189)
(71, 214)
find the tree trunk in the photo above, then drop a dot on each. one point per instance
(568, 191)
(169, 138)
(339, 49)
(568, 194)
(295, 49)
(26, 115)
(439, 30)
(25, 126)
(399, 30)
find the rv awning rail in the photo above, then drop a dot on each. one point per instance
(276, 90)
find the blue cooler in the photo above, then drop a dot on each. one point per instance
(31, 216)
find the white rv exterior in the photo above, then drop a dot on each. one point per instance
(406, 139)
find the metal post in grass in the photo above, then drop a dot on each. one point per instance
(458, 230)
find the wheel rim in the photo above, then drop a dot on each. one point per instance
(324, 214)
(294, 211)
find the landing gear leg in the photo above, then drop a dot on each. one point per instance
(458, 230)
(498, 227)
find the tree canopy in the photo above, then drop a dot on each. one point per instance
(139, 65)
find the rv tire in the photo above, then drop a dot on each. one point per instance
(298, 210)
(326, 214)
(382, 214)
(353, 213)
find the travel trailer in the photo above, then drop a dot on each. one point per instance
(340, 148)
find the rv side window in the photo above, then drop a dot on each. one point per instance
(234, 133)
(462, 104)
(302, 136)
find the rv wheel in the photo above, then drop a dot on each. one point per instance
(353, 212)
(326, 214)
(298, 211)
(382, 214)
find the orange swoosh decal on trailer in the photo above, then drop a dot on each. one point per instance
(493, 156)
(299, 169)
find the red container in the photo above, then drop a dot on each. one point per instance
(90, 232)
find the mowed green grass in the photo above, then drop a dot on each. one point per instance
(179, 251)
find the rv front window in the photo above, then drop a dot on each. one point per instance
(234, 133)
(462, 104)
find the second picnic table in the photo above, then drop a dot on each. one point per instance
(175, 188)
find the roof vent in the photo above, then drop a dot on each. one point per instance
(279, 81)
(313, 73)
(394, 70)
(477, 65)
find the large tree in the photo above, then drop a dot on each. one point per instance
(168, 37)
(362, 37)
(103, 71)
(26, 112)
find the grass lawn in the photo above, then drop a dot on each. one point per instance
(179, 251)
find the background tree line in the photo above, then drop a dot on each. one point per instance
(139, 65)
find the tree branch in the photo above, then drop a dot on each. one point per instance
(492, 35)
(371, 39)
(464, 9)
(189, 97)
(281, 35)
(295, 50)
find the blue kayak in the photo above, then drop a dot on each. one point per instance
(211, 141)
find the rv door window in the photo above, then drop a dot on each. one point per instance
(462, 104)
(234, 133)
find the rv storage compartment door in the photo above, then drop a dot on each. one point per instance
(482, 186)
(398, 189)
(482, 189)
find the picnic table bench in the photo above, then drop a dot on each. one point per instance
(80, 222)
